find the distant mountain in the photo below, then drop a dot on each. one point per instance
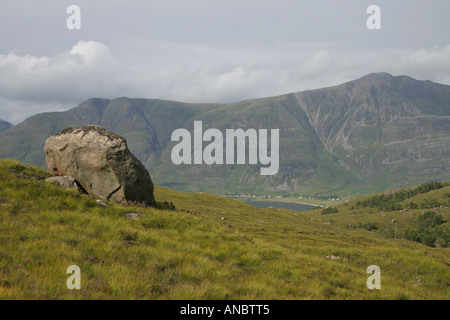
(366, 135)
(4, 125)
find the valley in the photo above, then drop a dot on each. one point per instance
(364, 136)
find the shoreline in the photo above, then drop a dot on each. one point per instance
(313, 202)
(304, 203)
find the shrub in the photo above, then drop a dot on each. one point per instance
(429, 230)
(389, 202)
(413, 205)
(429, 220)
(330, 210)
(430, 203)
(368, 226)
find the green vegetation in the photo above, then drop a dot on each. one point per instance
(330, 210)
(192, 253)
(403, 213)
(369, 226)
(391, 201)
(429, 230)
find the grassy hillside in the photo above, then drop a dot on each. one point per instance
(399, 214)
(193, 253)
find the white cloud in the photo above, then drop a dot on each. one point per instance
(432, 64)
(318, 64)
(195, 73)
(86, 69)
(92, 53)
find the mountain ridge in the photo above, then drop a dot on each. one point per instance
(367, 135)
(4, 125)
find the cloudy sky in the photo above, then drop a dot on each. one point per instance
(208, 50)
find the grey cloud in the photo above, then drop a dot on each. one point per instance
(31, 84)
(202, 50)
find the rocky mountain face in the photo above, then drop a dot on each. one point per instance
(4, 125)
(390, 131)
(367, 135)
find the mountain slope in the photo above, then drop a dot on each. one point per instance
(4, 125)
(363, 136)
(388, 130)
(192, 253)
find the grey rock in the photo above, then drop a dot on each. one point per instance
(101, 163)
(132, 216)
(66, 182)
(101, 203)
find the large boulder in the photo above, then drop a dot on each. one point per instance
(101, 163)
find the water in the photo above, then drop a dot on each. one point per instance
(280, 204)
